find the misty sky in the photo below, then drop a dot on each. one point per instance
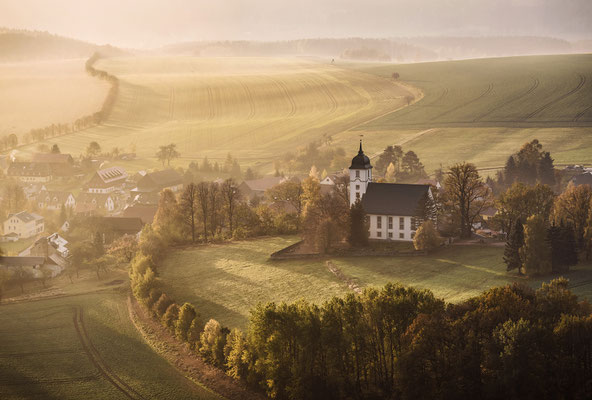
(151, 23)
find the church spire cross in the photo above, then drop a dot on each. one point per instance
(361, 151)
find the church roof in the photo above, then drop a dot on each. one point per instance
(361, 161)
(393, 198)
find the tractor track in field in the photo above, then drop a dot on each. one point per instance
(95, 358)
(581, 114)
(50, 381)
(476, 99)
(557, 99)
(288, 96)
(40, 353)
(531, 89)
(212, 111)
(579, 284)
(252, 111)
(437, 100)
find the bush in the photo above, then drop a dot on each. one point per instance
(212, 342)
(187, 314)
(170, 317)
(426, 237)
(236, 354)
(161, 305)
(193, 332)
(152, 298)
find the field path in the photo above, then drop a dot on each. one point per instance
(334, 269)
(95, 358)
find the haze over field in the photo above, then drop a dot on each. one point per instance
(151, 23)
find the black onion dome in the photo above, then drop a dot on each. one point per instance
(361, 161)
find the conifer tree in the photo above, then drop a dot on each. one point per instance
(513, 245)
(358, 231)
(535, 254)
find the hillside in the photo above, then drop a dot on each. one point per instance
(24, 45)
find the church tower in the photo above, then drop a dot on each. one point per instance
(360, 175)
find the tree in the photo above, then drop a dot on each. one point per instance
(187, 314)
(546, 169)
(55, 149)
(358, 228)
(395, 76)
(215, 200)
(167, 153)
(170, 317)
(289, 191)
(426, 209)
(167, 221)
(13, 198)
(521, 201)
(93, 149)
(514, 243)
(426, 237)
(123, 249)
(230, 198)
(411, 168)
(573, 207)
(203, 201)
(161, 305)
(535, 253)
(562, 243)
(188, 207)
(213, 341)
(390, 173)
(467, 195)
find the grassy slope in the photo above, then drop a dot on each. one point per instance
(38, 94)
(225, 281)
(253, 108)
(42, 357)
(460, 119)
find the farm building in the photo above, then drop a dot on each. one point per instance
(257, 187)
(155, 182)
(91, 203)
(582, 179)
(60, 164)
(391, 207)
(24, 224)
(30, 172)
(107, 180)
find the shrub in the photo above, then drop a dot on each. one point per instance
(212, 342)
(152, 298)
(187, 314)
(426, 237)
(161, 305)
(170, 317)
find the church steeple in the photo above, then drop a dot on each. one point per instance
(360, 175)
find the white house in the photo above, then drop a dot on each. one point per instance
(107, 180)
(391, 207)
(24, 224)
(55, 200)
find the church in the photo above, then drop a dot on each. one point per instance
(390, 207)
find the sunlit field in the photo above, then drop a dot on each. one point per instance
(226, 281)
(38, 94)
(81, 346)
(254, 108)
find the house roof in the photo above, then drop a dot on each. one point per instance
(112, 174)
(20, 168)
(583, 179)
(262, 184)
(26, 216)
(52, 158)
(89, 197)
(60, 196)
(123, 224)
(18, 261)
(145, 212)
(393, 198)
(361, 161)
(159, 180)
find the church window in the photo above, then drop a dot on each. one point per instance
(379, 222)
(357, 187)
(401, 235)
(379, 234)
(357, 174)
(390, 222)
(390, 235)
(357, 195)
(401, 223)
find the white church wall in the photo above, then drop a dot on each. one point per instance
(399, 229)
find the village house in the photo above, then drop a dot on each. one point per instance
(93, 203)
(391, 207)
(55, 200)
(155, 182)
(145, 212)
(333, 181)
(582, 179)
(107, 180)
(115, 227)
(24, 224)
(30, 172)
(252, 189)
(54, 248)
(61, 165)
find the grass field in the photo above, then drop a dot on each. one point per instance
(250, 107)
(34, 95)
(82, 347)
(226, 281)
